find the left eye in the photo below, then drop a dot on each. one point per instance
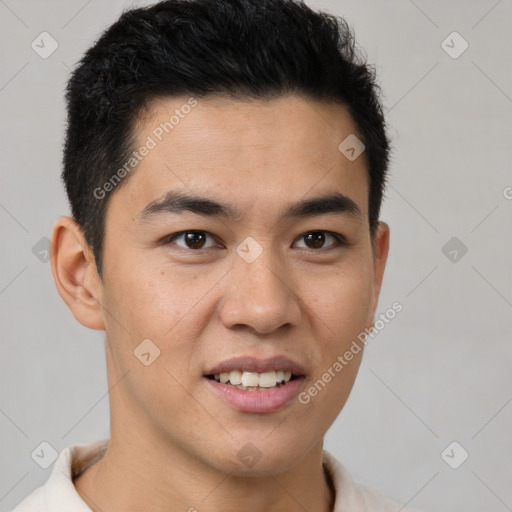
(197, 239)
(317, 239)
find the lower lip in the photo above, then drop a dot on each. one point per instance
(257, 401)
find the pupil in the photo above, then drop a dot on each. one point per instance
(194, 240)
(317, 238)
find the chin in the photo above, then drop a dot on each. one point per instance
(259, 457)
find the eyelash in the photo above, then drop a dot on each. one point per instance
(340, 239)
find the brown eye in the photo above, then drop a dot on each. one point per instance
(316, 239)
(192, 239)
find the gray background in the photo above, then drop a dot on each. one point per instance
(439, 372)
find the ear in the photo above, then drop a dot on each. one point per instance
(75, 274)
(380, 256)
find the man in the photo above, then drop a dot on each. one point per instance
(225, 163)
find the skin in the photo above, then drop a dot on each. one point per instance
(173, 443)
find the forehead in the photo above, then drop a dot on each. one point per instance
(253, 152)
(226, 124)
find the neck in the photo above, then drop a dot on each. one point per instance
(144, 474)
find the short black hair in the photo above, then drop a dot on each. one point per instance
(245, 49)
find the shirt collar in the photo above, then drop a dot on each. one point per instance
(61, 495)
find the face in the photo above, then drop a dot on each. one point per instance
(275, 273)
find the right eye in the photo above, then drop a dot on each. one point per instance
(193, 239)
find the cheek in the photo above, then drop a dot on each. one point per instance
(169, 307)
(344, 303)
(149, 298)
(341, 313)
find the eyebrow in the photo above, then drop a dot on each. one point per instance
(177, 202)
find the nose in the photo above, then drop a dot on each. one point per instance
(259, 296)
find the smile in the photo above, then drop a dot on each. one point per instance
(249, 384)
(253, 381)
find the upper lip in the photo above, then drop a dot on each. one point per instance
(253, 364)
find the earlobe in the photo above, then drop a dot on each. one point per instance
(75, 273)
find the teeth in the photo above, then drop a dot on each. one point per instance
(267, 380)
(245, 380)
(235, 377)
(250, 379)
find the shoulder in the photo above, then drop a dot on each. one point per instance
(376, 502)
(34, 502)
(352, 496)
(58, 494)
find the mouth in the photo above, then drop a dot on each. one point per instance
(252, 385)
(254, 381)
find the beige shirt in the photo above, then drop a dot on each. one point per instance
(58, 494)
